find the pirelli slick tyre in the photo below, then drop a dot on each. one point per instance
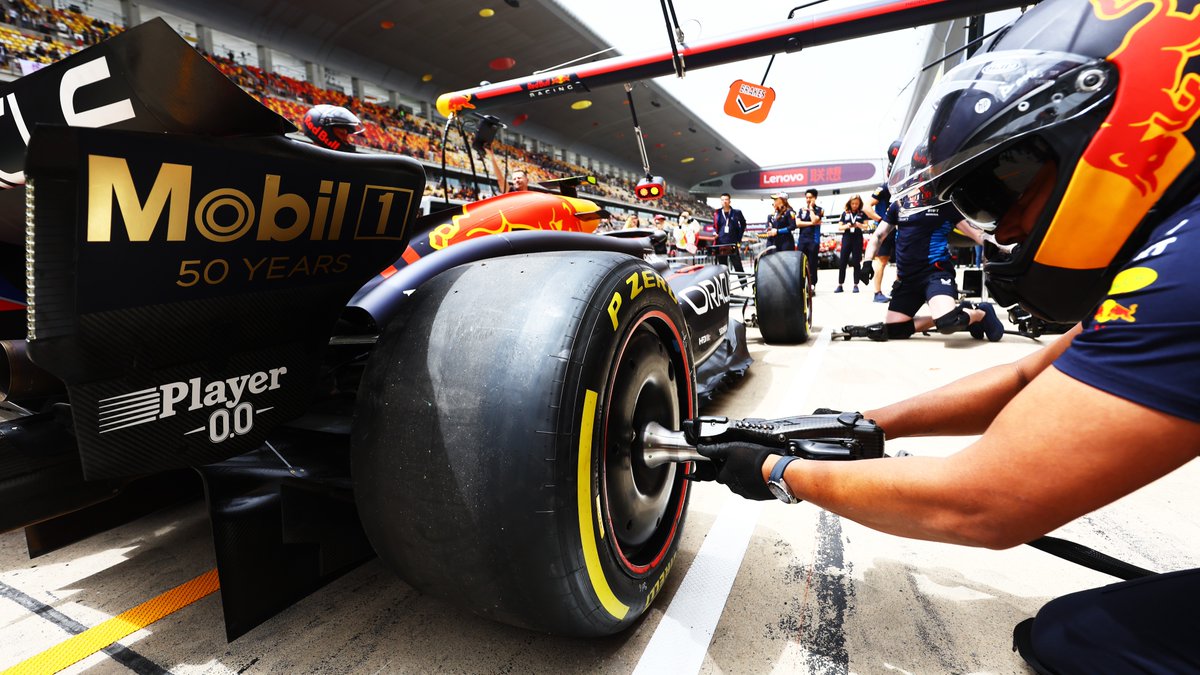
(783, 297)
(496, 456)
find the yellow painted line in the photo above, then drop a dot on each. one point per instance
(126, 623)
(591, 556)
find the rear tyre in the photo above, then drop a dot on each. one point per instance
(496, 454)
(783, 297)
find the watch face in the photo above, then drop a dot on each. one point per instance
(781, 493)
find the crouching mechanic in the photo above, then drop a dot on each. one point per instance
(1034, 137)
(925, 274)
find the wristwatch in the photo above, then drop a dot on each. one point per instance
(777, 485)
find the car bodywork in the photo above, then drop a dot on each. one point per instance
(200, 294)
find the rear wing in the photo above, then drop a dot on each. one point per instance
(184, 283)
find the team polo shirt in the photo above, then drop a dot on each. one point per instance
(853, 236)
(811, 232)
(922, 236)
(883, 199)
(1141, 343)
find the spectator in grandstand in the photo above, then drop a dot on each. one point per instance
(631, 222)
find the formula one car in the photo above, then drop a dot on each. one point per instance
(203, 296)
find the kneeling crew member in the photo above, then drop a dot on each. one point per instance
(925, 275)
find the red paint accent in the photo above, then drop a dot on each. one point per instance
(502, 63)
(795, 27)
(11, 305)
(391, 269)
(410, 255)
(684, 270)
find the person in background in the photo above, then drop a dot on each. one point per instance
(631, 221)
(808, 233)
(875, 209)
(331, 127)
(781, 224)
(688, 231)
(852, 225)
(730, 226)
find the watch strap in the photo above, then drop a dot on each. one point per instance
(777, 470)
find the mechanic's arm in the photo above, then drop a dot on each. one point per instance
(1058, 450)
(967, 406)
(869, 209)
(973, 233)
(876, 241)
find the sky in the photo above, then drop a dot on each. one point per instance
(833, 102)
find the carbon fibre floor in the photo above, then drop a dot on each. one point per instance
(807, 592)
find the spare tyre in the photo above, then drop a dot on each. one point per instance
(783, 297)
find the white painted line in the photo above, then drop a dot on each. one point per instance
(681, 640)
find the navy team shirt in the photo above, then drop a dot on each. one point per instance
(1141, 343)
(921, 236)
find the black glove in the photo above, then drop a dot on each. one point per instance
(826, 411)
(867, 272)
(738, 466)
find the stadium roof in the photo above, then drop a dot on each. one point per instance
(450, 40)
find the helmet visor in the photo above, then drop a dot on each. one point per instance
(992, 100)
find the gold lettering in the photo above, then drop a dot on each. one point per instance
(339, 211)
(322, 264)
(275, 268)
(301, 267)
(109, 175)
(272, 203)
(318, 226)
(253, 269)
(343, 263)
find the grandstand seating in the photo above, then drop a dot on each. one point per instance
(44, 34)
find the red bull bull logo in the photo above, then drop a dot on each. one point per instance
(1143, 145)
(1111, 310)
(1146, 127)
(449, 104)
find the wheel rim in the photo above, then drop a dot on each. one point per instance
(642, 501)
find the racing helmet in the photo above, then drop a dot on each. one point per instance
(331, 126)
(1071, 135)
(892, 151)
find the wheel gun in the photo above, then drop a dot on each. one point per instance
(839, 436)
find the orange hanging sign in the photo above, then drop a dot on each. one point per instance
(750, 102)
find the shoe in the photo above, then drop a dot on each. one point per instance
(839, 289)
(880, 297)
(855, 289)
(990, 328)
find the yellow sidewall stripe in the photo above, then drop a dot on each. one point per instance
(591, 555)
(120, 626)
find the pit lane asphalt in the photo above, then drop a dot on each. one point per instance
(813, 594)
